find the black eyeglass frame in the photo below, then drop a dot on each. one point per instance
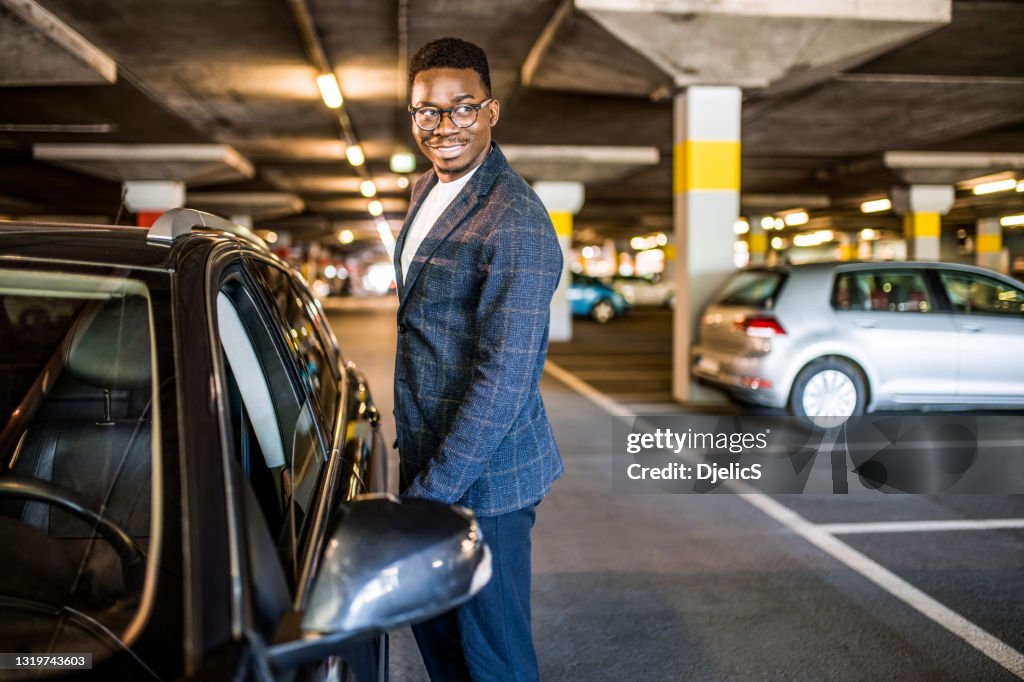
(441, 112)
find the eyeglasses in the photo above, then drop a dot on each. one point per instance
(462, 115)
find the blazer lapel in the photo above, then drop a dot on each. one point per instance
(456, 212)
(417, 201)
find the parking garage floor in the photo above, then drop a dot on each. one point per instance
(671, 587)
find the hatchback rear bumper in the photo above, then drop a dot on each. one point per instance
(742, 376)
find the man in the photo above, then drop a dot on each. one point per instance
(477, 263)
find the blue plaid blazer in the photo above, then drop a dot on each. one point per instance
(473, 321)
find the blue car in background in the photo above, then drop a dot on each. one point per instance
(592, 297)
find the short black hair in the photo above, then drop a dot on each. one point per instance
(451, 53)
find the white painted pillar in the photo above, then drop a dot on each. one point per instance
(148, 199)
(706, 188)
(922, 208)
(988, 245)
(563, 200)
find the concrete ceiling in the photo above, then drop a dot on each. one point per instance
(235, 73)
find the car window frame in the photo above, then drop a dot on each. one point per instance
(309, 543)
(327, 490)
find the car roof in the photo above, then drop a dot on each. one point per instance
(108, 245)
(829, 266)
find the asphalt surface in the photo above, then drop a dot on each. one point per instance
(712, 587)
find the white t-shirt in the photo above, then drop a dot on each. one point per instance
(430, 210)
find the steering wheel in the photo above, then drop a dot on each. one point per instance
(133, 561)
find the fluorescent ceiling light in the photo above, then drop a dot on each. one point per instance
(375, 208)
(346, 237)
(329, 90)
(767, 223)
(741, 226)
(367, 188)
(868, 234)
(997, 186)
(403, 162)
(355, 155)
(876, 205)
(777, 242)
(403, 182)
(797, 218)
(1012, 220)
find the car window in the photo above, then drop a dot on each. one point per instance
(751, 288)
(977, 294)
(902, 291)
(78, 399)
(302, 319)
(274, 426)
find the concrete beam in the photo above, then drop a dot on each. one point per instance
(40, 49)
(782, 44)
(771, 203)
(196, 164)
(257, 205)
(948, 167)
(578, 163)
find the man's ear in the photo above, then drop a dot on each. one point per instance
(494, 107)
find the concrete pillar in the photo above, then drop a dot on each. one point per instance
(846, 246)
(706, 189)
(757, 240)
(922, 208)
(988, 244)
(563, 200)
(147, 199)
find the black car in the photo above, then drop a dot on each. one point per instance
(193, 481)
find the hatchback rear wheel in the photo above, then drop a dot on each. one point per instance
(828, 388)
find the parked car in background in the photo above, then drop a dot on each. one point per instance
(593, 298)
(650, 290)
(841, 339)
(193, 482)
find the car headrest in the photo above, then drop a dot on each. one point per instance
(112, 348)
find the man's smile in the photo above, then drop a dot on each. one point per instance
(448, 149)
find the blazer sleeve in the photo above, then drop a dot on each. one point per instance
(513, 315)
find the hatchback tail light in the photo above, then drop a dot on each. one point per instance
(760, 326)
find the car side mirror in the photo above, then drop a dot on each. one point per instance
(387, 563)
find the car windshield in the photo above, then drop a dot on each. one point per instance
(77, 448)
(752, 288)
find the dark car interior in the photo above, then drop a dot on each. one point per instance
(77, 388)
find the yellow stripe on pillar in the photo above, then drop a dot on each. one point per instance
(922, 225)
(989, 243)
(706, 164)
(847, 252)
(562, 220)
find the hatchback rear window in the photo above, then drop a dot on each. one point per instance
(752, 288)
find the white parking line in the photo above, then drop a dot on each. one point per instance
(920, 526)
(991, 646)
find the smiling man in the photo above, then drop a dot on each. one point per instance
(477, 263)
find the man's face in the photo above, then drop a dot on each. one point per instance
(452, 150)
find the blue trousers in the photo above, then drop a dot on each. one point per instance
(488, 639)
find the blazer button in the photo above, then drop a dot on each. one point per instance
(401, 329)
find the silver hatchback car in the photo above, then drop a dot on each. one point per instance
(842, 339)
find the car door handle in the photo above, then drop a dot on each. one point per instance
(866, 324)
(972, 328)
